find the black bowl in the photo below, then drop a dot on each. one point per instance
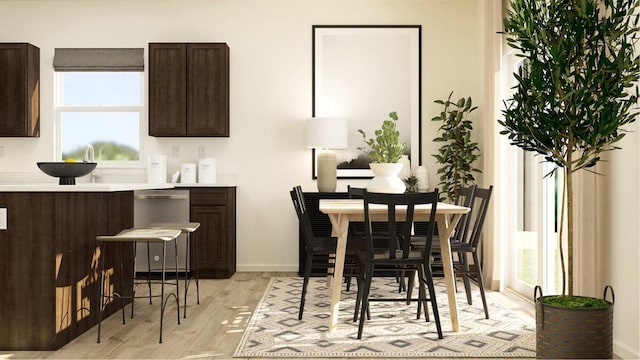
(67, 171)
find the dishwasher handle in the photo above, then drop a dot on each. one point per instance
(162, 197)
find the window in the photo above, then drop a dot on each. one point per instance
(103, 109)
(99, 101)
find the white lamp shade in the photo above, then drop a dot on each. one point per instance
(326, 133)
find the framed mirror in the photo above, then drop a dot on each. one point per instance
(362, 73)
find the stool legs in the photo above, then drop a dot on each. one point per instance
(197, 275)
(177, 293)
(101, 293)
(164, 301)
(188, 271)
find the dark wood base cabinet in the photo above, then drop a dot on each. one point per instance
(215, 210)
(50, 261)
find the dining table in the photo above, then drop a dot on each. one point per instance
(343, 211)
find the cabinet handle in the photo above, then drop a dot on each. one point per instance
(161, 197)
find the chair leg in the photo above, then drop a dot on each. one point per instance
(307, 271)
(481, 284)
(428, 277)
(423, 298)
(360, 281)
(465, 277)
(410, 284)
(365, 299)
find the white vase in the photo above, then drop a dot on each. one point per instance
(406, 167)
(386, 178)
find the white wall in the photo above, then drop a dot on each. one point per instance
(270, 43)
(618, 235)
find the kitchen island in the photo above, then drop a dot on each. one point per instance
(49, 261)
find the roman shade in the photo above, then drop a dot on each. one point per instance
(98, 59)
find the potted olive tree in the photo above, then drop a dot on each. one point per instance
(384, 150)
(576, 91)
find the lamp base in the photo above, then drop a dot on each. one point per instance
(327, 171)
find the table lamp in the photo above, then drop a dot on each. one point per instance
(323, 134)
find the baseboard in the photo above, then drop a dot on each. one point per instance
(267, 268)
(624, 351)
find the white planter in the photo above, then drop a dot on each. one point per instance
(386, 178)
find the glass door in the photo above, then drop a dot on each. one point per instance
(533, 256)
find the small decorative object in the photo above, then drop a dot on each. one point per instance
(188, 173)
(412, 183)
(324, 134)
(458, 153)
(406, 166)
(423, 178)
(157, 169)
(384, 151)
(67, 171)
(571, 110)
(207, 170)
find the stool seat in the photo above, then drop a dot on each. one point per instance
(150, 235)
(186, 227)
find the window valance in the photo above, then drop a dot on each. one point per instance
(98, 59)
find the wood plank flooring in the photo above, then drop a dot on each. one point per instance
(212, 330)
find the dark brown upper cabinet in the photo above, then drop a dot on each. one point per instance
(19, 90)
(189, 89)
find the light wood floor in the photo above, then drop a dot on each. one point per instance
(212, 329)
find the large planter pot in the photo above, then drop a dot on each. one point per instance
(386, 178)
(570, 333)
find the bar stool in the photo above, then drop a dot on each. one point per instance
(131, 236)
(187, 228)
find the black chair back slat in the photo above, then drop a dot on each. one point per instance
(465, 197)
(483, 196)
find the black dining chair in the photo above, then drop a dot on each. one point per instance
(319, 247)
(464, 197)
(380, 233)
(468, 242)
(398, 255)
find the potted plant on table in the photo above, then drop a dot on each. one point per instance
(458, 153)
(384, 150)
(571, 103)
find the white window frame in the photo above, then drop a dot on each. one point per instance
(59, 108)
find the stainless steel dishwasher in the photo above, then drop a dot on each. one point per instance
(153, 206)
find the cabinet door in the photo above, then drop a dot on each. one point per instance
(19, 90)
(167, 89)
(216, 252)
(208, 89)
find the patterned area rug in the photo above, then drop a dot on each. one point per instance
(393, 331)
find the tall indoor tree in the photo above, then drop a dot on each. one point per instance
(576, 92)
(577, 88)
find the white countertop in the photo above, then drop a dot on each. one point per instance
(108, 182)
(81, 187)
(100, 187)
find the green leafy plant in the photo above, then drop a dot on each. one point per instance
(385, 147)
(458, 153)
(412, 183)
(573, 96)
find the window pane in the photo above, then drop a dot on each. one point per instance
(102, 88)
(114, 135)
